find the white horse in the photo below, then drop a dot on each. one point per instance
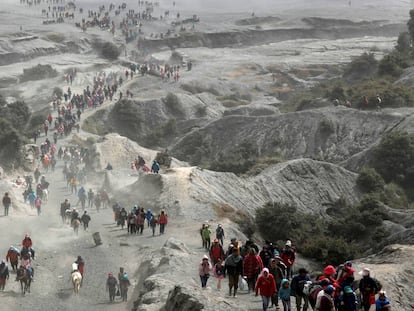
(76, 281)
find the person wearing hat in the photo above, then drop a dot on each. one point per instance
(368, 288)
(326, 303)
(6, 203)
(348, 301)
(278, 269)
(204, 269)
(111, 286)
(124, 283)
(297, 285)
(288, 256)
(382, 303)
(220, 234)
(216, 252)
(233, 266)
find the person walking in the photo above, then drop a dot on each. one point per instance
(111, 286)
(233, 266)
(204, 269)
(218, 272)
(4, 274)
(85, 219)
(297, 285)
(368, 288)
(124, 284)
(267, 287)
(284, 294)
(162, 221)
(6, 203)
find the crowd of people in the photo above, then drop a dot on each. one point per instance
(269, 273)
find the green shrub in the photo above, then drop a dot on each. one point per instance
(110, 51)
(394, 158)
(361, 68)
(11, 142)
(394, 196)
(370, 181)
(173, 104)
(326, 126)
(391, 65)
(238, 161)
(404, 43)
(38, 72)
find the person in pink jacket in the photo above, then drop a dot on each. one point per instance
(204, 270)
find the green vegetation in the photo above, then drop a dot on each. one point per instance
(370, 181)
(57, 37)
(108, 50)
(173, 104)
(161, 135)
(234, 100)
(38, 72)
(15, 121)
(323, 238)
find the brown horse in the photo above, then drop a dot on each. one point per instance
(25, 280)
(76, 281)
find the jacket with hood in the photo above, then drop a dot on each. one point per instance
(205, 267)
(266, 285)
(284, 293)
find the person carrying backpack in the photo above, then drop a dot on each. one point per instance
(297, 285)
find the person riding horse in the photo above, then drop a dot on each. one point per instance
(23, 275)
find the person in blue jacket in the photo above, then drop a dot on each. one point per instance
(382, 303)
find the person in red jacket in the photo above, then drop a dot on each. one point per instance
(162, 221)
(13, 255)
(27, 241)
(252, 266)
(288, 256)
(267, 286)
(81, 266)
(216, 252)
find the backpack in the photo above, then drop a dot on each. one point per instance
(111, 281)
(379, 285)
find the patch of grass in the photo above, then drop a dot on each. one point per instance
(262, 164)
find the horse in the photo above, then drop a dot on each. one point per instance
(75, 225)
(25, 279)
(76, 281)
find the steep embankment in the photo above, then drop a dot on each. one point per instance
(200, 194)
(249, 37)
(330, 134)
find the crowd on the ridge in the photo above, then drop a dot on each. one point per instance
(268, 272)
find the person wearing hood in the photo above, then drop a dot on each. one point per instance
(4, 274)
(124, 283)
(367, 287)
(348, 300)
(204, 269)
(267, 287)
(382, 303)
(148, 216)
(284, 294)
(288, 256)
(327, 302)
(233, 267)
(345, 276)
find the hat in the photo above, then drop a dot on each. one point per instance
(215, 241)
(233, 239)
(110, 273)
(329, 289)
(348, 263)
(348, 290)
(383, 293)
(364, 272)
(205, 257)
(288, 243)
(27, 235)
(329, 270)
(277, 257)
